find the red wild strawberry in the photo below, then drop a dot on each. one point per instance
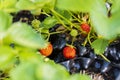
(85, 27)
(69, 52)
(47, 51)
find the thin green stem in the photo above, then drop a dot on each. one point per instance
(104, 57)
(57, 32)
(57, 14)
(48, 37)
(85, 42)
(78, 16)
(45, 13)
(73, 40)
(62, 22)
(88, 38)
(61, 16)
(74, 17)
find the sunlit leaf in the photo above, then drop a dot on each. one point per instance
(115, 6)
(24, 35)
(25, 5)
(30, 57)
(7, 57)
(39, 71)
(115, 23)
(25, 71)
(100, 23)
(76, 5)
(5, 21)
(8, 6)
(56, 72)
(99, 19)
(35, 5)
(50, 4)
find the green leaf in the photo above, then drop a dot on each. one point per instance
(56, 72)
(38, 71)
(25, 5)
(64, 13)
(49, 22)
(76, 5)
(107, 27)
(49, 4)
(5, 21)
(31, 57)
(7, 57)
(25, 71)
(24, 35)
(115, 6)
(8, 6)
(99, 19)
(115, 24)
(99, 45)
(102, 29)
(79, 77)
(35, 6)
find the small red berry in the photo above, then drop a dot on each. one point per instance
(47, 51)
(85, 27)
(69, 52)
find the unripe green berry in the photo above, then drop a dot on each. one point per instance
(74, 32)
(36, 23)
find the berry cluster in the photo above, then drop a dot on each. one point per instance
(77, 57)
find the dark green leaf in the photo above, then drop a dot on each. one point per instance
(99, 45)
(64, 13)
(49, 22)
(5, 21)
(24, 35)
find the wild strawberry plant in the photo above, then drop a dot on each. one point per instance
(22, 59)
